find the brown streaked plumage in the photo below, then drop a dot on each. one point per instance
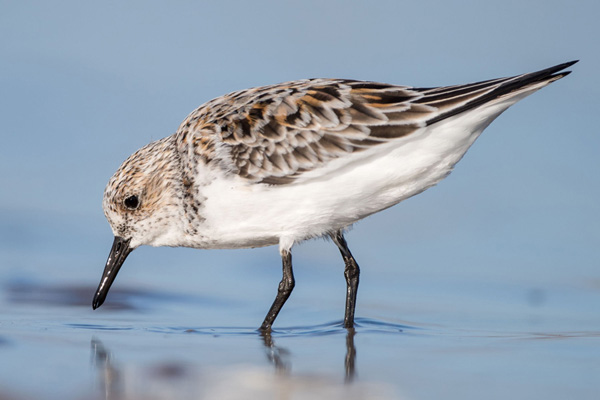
(275, 133)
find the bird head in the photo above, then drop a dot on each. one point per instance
(141, 206)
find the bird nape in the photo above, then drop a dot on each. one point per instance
(284, 163)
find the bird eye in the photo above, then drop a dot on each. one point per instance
(132, 202)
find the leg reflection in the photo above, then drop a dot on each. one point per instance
(277, 356)
(350, 356)
(108, 376)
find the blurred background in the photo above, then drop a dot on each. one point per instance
(507, 243)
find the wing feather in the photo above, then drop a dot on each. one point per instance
(274, 134)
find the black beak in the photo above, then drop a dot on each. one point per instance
(118, 253)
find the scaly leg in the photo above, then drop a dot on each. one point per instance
(351, 272)
(283, 292)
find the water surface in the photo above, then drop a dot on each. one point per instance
(466, 339)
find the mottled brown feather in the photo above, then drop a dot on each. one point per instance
(274, 134)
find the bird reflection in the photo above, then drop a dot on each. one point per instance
(349, 362)
(109, 378)
(279, 356)
(179, 378)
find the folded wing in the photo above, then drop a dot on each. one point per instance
(274, 134)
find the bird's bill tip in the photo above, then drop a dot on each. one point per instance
(98, 301)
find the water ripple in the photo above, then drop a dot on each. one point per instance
(330, 328)
(100, 327)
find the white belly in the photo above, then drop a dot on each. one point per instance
(238, 214)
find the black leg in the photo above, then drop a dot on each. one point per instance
(351, 272)
(283, 292)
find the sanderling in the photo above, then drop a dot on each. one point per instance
(284, 163)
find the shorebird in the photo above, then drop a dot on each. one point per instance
(279, 164)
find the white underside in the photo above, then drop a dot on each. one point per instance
(238, 214)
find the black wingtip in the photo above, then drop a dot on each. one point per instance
(565, 73)
(566, 65)
(554, 71)
(509, 85)
(560, 67)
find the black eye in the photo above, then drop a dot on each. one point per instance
(132, 202)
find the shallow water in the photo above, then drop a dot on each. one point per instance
(467, 339)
